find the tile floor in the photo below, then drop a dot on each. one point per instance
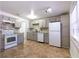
(34, 49)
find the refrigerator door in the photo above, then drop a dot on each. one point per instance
(55, 34)
(54, 39)
(55, 26)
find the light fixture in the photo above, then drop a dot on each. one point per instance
(49, 10)
(32, 15)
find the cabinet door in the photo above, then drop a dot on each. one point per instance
(0, 25)
(31, 37)
(46, 38)
(20, 38)
(30, 24)
(46, 22)
(35, 36)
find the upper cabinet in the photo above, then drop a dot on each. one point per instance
(41, 24)
(17, 25)
(8, 19)
(30, 24)
(44, 23)
(9, 22)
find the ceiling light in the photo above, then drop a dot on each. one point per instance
(49, 10)
(32, 15)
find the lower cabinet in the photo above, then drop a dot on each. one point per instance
(1, 42)
(35, 36)
(20, 38)
(32, 35)
(38, 36)
(46, 37)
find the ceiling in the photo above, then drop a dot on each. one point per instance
(23, 8)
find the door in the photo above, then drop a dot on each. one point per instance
(54, 34)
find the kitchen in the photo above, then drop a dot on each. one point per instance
(39, 29)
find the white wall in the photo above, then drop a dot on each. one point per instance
(24, 28)
(74, 30)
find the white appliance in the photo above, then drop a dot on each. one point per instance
(55, 34)
(40, 37)
(10, 39)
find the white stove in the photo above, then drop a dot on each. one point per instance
(10, 39)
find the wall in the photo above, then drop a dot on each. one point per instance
(24, 28)
(74, 30)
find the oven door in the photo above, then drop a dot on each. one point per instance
(10, 39)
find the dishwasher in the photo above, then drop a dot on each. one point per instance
(40, 37)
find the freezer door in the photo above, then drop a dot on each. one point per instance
(55, 26)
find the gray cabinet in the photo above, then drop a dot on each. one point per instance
(30, 24)
(44, 23)
(35, 36)
(20, 38)
(38, 36)
(65, 31)
(28, 35)
(32, 35)
(1, 42)
(46, 38)
(1, 36)
(17, 24)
